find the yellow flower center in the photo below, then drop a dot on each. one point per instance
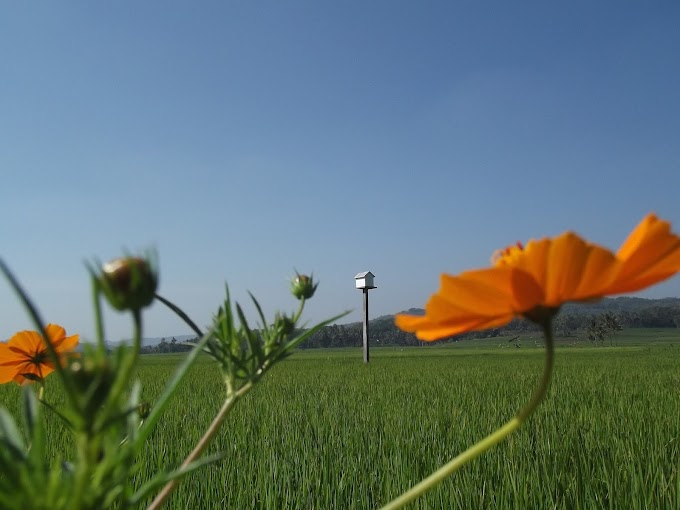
(507, 256)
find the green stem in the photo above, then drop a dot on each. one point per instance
(491, 440)
(84, 469)
(297, 316)
(125, 371)
(228, 405)
(137, 316)
(99, 322)
(181, 313)
(131, 359)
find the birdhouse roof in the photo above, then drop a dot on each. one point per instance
(364, 275)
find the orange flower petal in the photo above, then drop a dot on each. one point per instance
(7, 373)
(59, 340)
(526, 291)
(566, 260)
(41, 370)
(26, 343)
(55, 332)
(548, 273)
(8, 356)
(428, 330)
(534, 260)
(637, 236)
(650, 254)
(67, 344)
(485, 291)
(492, 292)
(474, 300)
(569, 268)
(410, 322)
(600, 269)
(25, 353)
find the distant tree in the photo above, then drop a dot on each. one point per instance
(568, 325)
(603, 326)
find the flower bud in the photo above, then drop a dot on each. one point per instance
(303, 286)
(129, 283)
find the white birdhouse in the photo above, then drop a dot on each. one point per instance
(365, 280)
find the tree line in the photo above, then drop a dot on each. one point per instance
(164, 346)
(597, 325)
(597, 322)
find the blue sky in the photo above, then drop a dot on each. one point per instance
(245, 139)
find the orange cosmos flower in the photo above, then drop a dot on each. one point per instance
(539, 278)
(25, 358)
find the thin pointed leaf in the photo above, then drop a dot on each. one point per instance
(35, 431)
(181, 314)
(56, 411)
(253, 341)
(10, 435)
(260, 313)
(31, 410)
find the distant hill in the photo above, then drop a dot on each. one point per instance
(619, 304)
(630, 312)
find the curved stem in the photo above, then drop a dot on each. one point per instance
(492, 439)
(296, 317)
(228, 405)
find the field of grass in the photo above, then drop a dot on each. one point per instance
(324, 431)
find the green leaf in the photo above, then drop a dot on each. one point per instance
(31, 410)
(35, 431)
(253, 339)
(260, 313)
(10, 435)
(61, 415)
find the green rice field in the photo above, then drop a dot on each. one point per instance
(325, 431)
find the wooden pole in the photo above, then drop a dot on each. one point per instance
(365, 325)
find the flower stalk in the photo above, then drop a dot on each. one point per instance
(202, 444)
(492, 439)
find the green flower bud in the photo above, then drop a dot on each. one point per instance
(129, 283)
(303, 286)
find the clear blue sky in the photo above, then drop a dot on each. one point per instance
(245, 139)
